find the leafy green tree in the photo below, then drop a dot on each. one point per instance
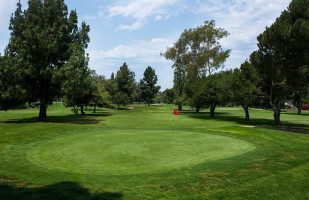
(12, 93)
(101, 98)
(168, 96)
(245, 87)
(273, 81)
(196, 93)
(137, 93)
(294, 28)
(179, 86)
(196, 54)
(283, 55)
(110, 86)
(148, 85)
(99, 79)
(78, 87)
(121, 98)
(125, 85)
(217, 90)
(42, 40)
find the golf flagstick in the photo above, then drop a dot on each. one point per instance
(173, 124)
(175, 113)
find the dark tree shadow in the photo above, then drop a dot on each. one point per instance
(58, 191)
(71, 119)
(261, 123)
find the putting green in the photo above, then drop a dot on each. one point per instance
(125, 152)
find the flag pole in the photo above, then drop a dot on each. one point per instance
(173, 124)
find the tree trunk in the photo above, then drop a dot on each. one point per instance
(298, 106)
(277, 116)
(212, 110)
(82, 109)
(94, 108)
(197, 110)
(247, 112)
(43, 103)
(43, 108)
(179, 107)
(299, 109)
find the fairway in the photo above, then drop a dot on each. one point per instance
(118, 152)
(133, 154)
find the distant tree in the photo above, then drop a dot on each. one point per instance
(125, 86)
(179, 86)
(41, 43)
(168, 96)
(245, 87)
(101, 98)
(137, 93)
(148, 85)
(196, 54)
(110, 86)
(78, 87)
(99, 79)
(159, 98)
(217, 90)
(196, 94)
(121, 98)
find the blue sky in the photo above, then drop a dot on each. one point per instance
(136, 31)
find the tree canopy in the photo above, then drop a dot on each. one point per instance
(43, 39)
(125, 81)
(196, 54)
(148, 85)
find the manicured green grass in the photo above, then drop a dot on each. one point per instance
(133, 154)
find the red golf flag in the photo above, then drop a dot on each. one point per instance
(176, 112)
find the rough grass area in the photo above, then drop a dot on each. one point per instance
(133, 154)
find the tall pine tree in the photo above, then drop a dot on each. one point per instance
(40, 45)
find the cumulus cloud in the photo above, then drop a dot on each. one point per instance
(138, 55)
(141, 50)
(141, 11)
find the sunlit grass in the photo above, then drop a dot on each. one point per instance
(133, 154)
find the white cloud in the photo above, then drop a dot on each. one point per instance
(158, 18)
(141, 11)
(138, 55)
(136, 25)
(148, 51)
(244, 20)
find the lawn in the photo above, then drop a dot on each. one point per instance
(133, 154)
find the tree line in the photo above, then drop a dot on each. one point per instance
(275, 73)
(46, 60)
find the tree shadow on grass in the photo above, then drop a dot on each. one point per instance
(66, 119)
(58, 191)
(261, 123)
